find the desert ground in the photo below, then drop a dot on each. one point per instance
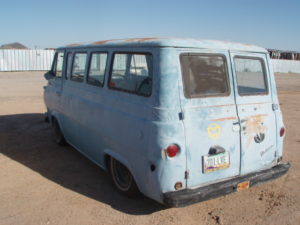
(42, 183)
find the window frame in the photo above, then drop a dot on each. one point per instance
(124, 90)
(54, 64)
(68, 52)
(228, 85)
(89, 67)
(264, 74)
(86, 62)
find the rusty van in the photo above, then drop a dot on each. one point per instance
(179, 120)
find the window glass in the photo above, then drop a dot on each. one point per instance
(97, 69)
(250, 75)
(119, 64)
(132, 73)
(78, 68)
(204, 75)
(69, 65)
(59, 64)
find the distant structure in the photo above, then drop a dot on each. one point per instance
(288, 55)
(15, 45)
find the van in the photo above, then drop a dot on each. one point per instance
(179, 120)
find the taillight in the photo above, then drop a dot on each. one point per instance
(172, 150)
(282, 131)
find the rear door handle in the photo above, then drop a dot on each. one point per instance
(58, 93)
(239, 122)
(237, 125)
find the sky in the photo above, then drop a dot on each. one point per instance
(53, 23)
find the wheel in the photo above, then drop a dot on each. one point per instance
(58, 135)
(122, 178)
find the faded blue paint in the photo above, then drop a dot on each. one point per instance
(136, 129)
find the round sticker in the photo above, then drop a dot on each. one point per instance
(213, 131)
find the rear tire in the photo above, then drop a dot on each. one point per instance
(122, 178)
(58, 135)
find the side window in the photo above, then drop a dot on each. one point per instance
(204, 75)
(78, 66)
(69, 65)
(250, 75)
(97, 69)
(132, 72)
(58, 67)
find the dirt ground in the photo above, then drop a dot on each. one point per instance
(42, 183)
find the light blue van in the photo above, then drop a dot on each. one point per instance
(180, 120)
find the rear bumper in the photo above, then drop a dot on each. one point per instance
(190, 196)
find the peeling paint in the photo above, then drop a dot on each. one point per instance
(142, 39)
(226, 118)
(105, 41)
(255, 125)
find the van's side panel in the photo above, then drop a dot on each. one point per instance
(99, 120)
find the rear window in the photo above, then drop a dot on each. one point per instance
(204, 75)
(250, 75)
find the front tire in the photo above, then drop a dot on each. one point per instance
(122, 178)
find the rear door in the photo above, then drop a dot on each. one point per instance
(210, 117)
(254, 106)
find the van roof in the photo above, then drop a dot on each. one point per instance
(171, 42)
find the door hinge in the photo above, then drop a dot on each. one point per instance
(186, 175)
(181, 116)
(274, 107)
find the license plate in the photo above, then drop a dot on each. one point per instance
(216, 162)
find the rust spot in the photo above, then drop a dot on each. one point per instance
(213, 106)
(226, 118)
(259, 103)
(105, 41)
(74, 44)
(100, 42)
(259, 115)
(141, 39)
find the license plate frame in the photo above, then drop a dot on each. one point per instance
(215, 162)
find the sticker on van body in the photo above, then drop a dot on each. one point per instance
(214, 130)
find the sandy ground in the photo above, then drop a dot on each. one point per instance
(42, 183)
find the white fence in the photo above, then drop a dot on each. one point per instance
(286, 66)
(25, 59)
